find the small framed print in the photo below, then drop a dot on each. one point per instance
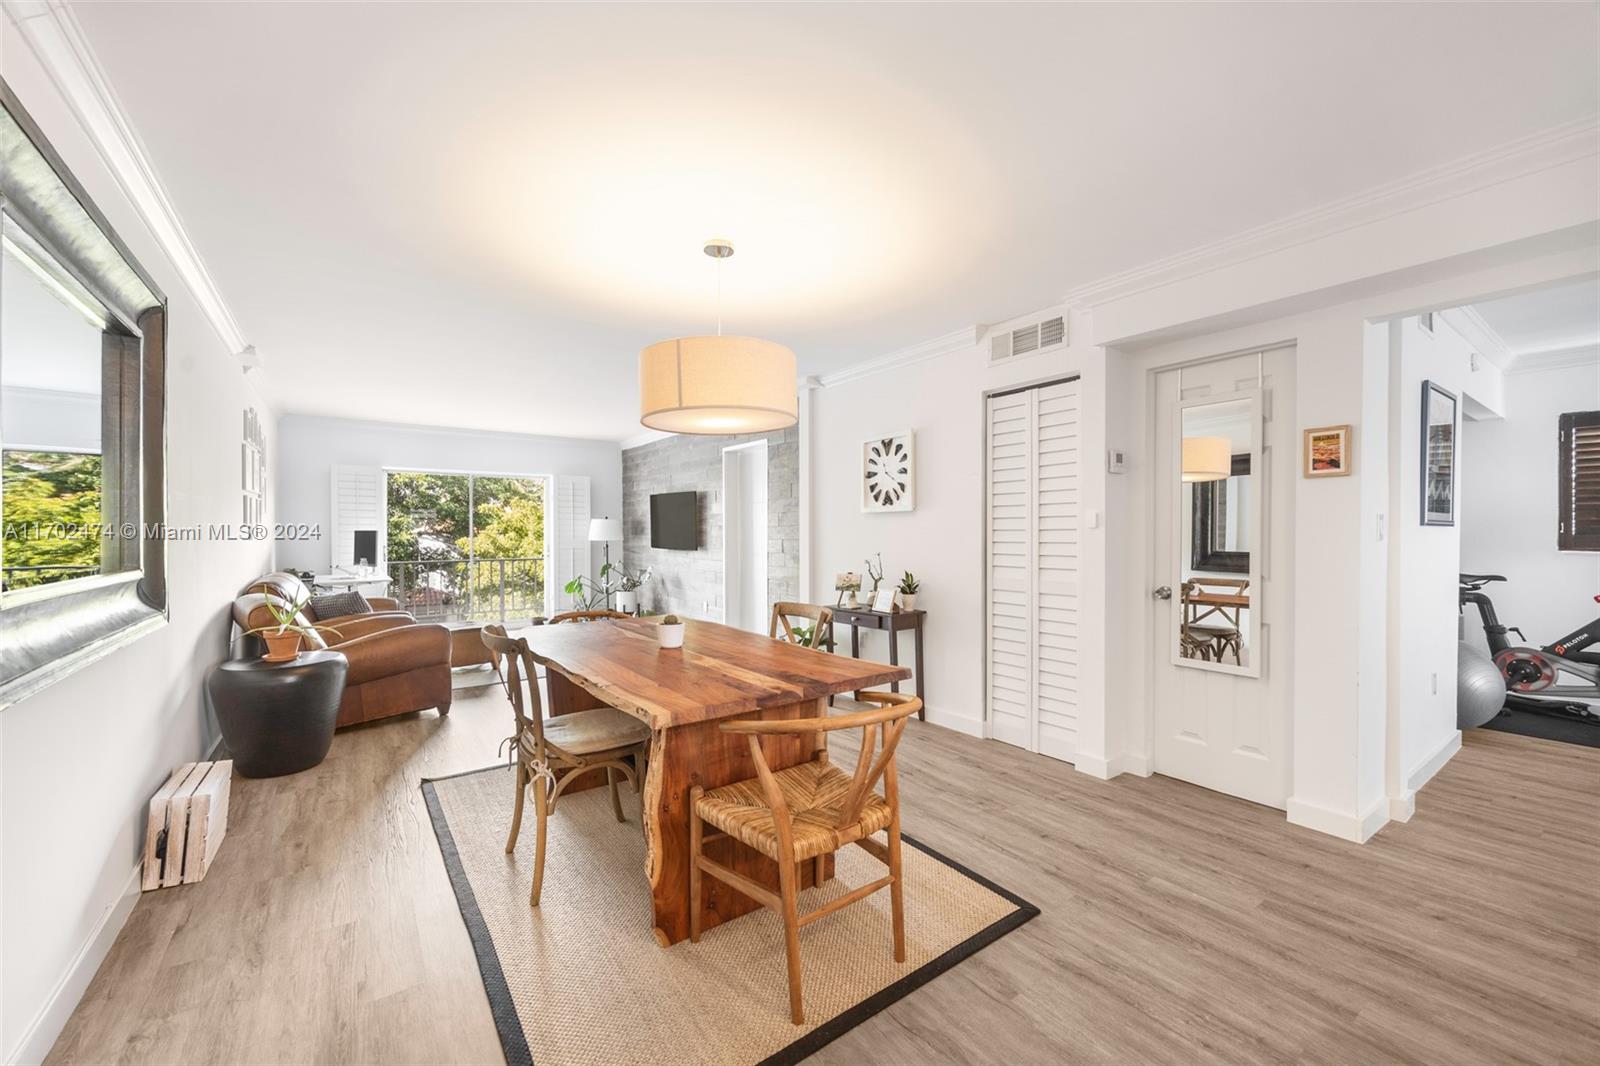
(1438, 456)
(883, 602)
(888, 473)
(1327, 452)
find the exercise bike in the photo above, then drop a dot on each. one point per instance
(1533, 675)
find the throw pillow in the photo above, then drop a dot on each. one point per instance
(339, 604)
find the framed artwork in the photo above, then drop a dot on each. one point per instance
(888, 473)
(1438, 456)
(883, 602)
(1326, 452)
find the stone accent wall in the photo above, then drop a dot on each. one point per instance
(687, 582)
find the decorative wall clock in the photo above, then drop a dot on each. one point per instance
(888, 473)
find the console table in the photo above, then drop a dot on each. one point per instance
(859, 618)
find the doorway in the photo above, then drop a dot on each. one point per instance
(744, 536)
(1224, 463)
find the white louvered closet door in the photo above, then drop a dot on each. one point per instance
(1033, 516)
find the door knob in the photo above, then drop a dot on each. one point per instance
(1163, 593)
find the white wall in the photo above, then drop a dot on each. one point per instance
(1509, 507)
(1341, 708)
(942, 540)
(1424, 561)
(79, 760)
(311, 445)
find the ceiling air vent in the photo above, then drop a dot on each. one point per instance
(1027, 339)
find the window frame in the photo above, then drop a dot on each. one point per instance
(51, 631)
(1569, 539)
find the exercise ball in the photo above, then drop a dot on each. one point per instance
(1480, 690)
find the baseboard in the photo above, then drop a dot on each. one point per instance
(41, 1033)
(1402, 807)
(1355, 828)
(1116, 766)
(1434, 763)
(960, 723)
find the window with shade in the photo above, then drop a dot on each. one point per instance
(1579, 525)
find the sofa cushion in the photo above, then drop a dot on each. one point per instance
(340, 604)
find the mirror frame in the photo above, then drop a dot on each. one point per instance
(1182, 548)
(51, 631)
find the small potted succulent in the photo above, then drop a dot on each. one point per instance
(670, 631)
(284, 637)
(908, 591)
(629, 582)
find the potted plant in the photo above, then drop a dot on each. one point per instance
(586, 595)
(629, 582)
(670, 631)
(283, 638)
(908, 591)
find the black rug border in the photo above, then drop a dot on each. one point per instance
(514, 1042)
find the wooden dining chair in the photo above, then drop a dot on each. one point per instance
(806, 812)
(585, 616)
(553, 754)
(1208, 629)
(784, 613)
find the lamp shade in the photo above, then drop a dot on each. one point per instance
(717, 385)
(1207, 458)
(605, 529)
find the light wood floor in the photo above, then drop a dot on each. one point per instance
(1178, 925)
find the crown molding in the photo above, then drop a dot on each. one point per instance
(1556, 359)
(1548, 148)
(1476, 331)
(905, 357)
(649, 436)
(55, 37)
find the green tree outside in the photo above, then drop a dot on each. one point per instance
(50, 513)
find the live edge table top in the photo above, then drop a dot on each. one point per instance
(720, 672)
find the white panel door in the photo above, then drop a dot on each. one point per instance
(1033, 512)
(1226, 731)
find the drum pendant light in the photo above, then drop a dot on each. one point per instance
(717, 385)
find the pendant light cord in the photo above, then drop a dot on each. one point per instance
(719, 295)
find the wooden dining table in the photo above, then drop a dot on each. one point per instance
(685, 695)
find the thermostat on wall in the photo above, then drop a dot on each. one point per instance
(1116, 461)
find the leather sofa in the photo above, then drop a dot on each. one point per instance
(397, 665)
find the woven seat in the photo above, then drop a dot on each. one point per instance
(815, 792)
(803, 814)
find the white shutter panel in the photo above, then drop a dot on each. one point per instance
(1010, 518)
(1033, 513)
(359, 502)
(1056, 577)
(568, 536)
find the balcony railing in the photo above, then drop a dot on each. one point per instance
(448, 590)
(17, 577)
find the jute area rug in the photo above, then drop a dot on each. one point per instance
(582, 979)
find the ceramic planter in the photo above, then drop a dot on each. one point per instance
(908, 601)
(628, 602)
(670, 636)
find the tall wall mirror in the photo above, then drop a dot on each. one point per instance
(1219, 511)
(82, 423)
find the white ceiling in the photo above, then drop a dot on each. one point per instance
(1546, 320)
(475, 215)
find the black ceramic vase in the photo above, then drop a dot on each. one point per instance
(278, 718)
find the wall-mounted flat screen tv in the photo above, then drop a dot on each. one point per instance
(674, 521)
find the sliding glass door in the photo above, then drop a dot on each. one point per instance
(467, 545)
